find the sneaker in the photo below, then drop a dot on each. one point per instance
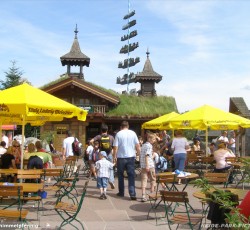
(101, 197)
(133, 197)
(112, 185)
(144, 199)
(104, 197)
(94, 179)
(119, 194)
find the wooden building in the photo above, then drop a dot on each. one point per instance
(238, 106)
(148, 77)
(73, 88)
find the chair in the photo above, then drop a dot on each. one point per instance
(55, 173)
(69, 211)
(69, 184)
(207, 165)
(193, 162)
(179, 217)
(154, 198)
(33, 176)
(218, 178)
(20, 214)
(86, 167)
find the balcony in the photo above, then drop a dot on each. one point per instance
(94, 108)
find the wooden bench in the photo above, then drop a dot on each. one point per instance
(14, 192)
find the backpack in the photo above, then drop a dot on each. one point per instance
(95, 155)
(76, 147)
(162, 165)
(105, 143)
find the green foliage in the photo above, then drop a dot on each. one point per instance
(145, 106)
(223, 198)
(189, 133)
(13, 77)
(48, 136)
(246, 170)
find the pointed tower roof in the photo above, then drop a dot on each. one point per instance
(75, 56)
(148, 73)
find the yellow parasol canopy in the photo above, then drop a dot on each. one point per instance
(34, 105)
(160, 123)
(26, 104)
(208, 117)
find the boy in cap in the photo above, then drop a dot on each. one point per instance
(103, 167)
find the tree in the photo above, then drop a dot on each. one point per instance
(13, 77)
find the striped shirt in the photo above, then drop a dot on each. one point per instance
(147, 149)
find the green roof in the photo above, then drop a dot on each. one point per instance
(143, 106)
(134, 105)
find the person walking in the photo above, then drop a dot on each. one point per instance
(106, 144)
(180, 146)
(126, 141)
(103, 167)
(147, 166)
(67, 149)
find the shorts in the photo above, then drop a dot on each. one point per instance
(145, 175)
(102, 182)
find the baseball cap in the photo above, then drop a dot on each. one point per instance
(103, 153)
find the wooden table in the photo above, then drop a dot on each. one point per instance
(188, 178)
(191, 176)
(28, 187)
(240, 192)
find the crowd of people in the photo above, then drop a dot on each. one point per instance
(154, 153)
(126, 149)
(11, 155)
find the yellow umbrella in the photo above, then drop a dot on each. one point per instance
(26, 104)
(160, 123)
(208, 117)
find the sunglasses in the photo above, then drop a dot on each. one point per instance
(16, 145)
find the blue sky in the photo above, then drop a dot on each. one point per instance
(201, 48)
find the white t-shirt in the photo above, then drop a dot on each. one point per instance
(224, 139)
(6, 140)
(232, 141)
(67, 145)
(89, 151)
(126, 140)
(2, 151)
(179, 145)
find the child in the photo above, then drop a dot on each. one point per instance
(103, 167)
(147, 165)
(93, 158)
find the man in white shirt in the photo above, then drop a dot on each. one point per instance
(67, 149)
(5, 139)
(223, 138)
(126, 141)
(2, 148)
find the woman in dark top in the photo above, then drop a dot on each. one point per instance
(8, 159)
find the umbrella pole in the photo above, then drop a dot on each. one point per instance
(206, 141)
(22, 146)
(206, 145)
(1, 130)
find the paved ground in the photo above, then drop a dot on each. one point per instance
(113, 213)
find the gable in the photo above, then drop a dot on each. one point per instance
(72, 82)
(238, 106)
